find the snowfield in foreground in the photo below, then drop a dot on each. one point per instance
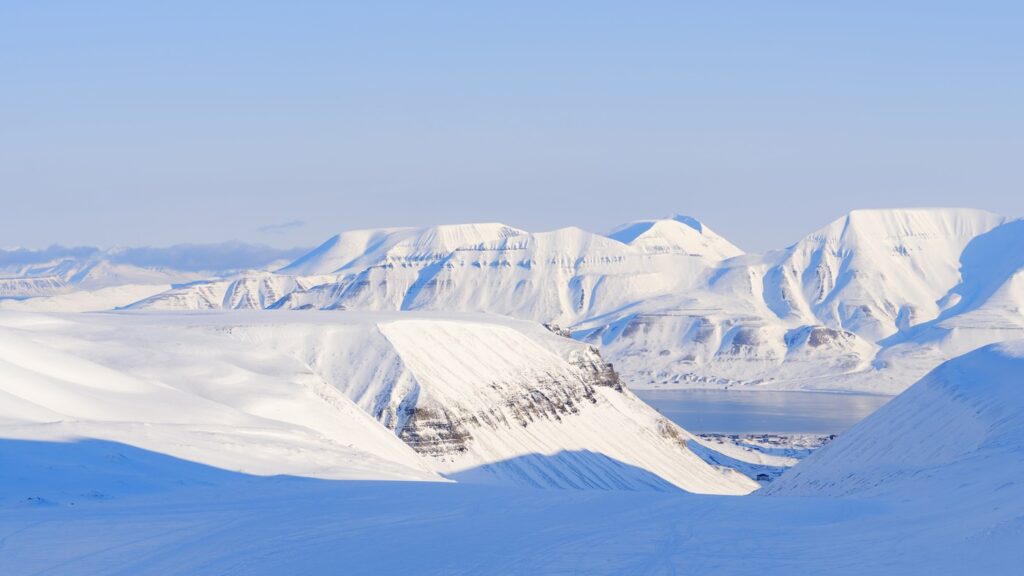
(928, 485)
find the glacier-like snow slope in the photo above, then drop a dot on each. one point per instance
(928, 485)
(476, 399)
(870, 302)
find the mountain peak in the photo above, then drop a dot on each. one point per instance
(678, 233)
(689, 221)
(908, 222)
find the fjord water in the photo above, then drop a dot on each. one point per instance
(762, 411)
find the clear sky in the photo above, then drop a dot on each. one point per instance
(285, 122)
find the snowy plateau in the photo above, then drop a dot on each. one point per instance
(459, 400)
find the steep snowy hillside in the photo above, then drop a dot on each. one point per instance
(958, 433)
(874, 272)
(495, 401)
(844, 308)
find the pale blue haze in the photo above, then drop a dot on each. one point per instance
(283, 122)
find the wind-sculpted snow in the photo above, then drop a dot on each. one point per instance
(344, 395)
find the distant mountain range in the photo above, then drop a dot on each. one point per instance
(869, 302)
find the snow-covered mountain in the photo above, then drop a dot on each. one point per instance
(87, 278)
(871, 301)
(828, 311)
(346, 395)
(559, 277)
(678, 234)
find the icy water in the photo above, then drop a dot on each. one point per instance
(752, 412)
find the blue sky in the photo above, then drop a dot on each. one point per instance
(282, 123)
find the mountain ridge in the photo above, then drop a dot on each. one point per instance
(867, 302)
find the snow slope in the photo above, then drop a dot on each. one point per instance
(492, 400)
(957, 434)
(846, 308)
(185, 393)
(928, 485)
(345, 395)
(679, 233)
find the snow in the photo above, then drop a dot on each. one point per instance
(187, 394)
(421, 420)
(677, 234)
(867, 303)
(334, 395)
(964, 418)
(928, 485)
(87, 300)
(365, 248)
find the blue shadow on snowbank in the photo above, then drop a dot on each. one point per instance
(47, 472)
(567, 470)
